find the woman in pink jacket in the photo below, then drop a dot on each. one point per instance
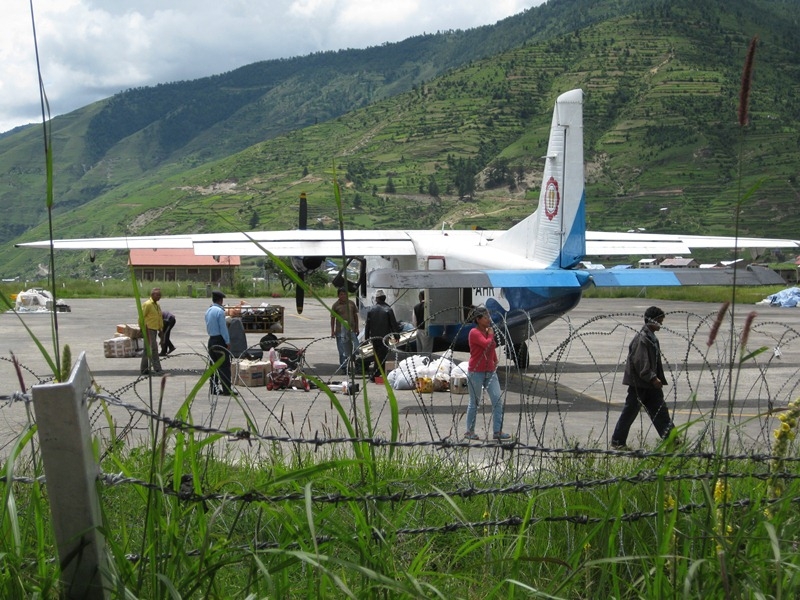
(483, 375)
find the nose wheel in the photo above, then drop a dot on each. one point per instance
(519, 354)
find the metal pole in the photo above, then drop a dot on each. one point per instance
(71, 472)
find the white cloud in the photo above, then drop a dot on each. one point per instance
(91, 49)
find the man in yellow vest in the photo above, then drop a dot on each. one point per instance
(152, 323)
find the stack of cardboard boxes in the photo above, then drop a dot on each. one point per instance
(251, 373)
(125, 342)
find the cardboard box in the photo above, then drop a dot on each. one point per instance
(132, 331)
(251, 373)
(233, 311)
(137, 342)
(119, 347)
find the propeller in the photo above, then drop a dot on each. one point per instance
(303, 265)
(299, 292)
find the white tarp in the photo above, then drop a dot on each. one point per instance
(38, 300)
(34, 300)
(789, 298)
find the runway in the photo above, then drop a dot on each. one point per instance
(570, 395)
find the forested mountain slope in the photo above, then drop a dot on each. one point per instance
(661, 132)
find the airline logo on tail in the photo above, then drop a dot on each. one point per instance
(552, 199)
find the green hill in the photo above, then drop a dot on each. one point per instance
(417, 142)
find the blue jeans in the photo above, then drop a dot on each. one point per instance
(346, 344)
(477, 381)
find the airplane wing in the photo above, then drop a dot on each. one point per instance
(115, 243)
(315, 242)
(751, 275)
(607, 243)
(308, 242)
(571, 278)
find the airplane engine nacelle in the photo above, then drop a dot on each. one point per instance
(307, 264)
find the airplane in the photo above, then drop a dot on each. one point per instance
(527, 276)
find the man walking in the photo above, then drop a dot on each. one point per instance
(152, 324)
(380, 323)
(644, 376)
(219, 344)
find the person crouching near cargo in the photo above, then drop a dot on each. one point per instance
(483, 375)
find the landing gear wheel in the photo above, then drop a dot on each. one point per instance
(521, 356)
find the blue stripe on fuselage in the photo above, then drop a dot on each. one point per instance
(530, 309)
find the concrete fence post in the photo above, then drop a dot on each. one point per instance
(71, 472)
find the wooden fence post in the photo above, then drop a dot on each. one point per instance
(71, 472)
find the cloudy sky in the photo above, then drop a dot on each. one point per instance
(91, 49)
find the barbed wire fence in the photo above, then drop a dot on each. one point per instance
(713, 390)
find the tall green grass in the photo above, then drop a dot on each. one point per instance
(362, 519)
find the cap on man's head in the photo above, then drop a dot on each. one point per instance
(217, 296)
(380, 294)
(653, 313)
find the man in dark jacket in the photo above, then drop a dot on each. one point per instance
(380, 323)
(644, 376)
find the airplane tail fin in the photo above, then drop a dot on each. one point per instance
(555, 234)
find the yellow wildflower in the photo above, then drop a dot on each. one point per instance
(722, 492)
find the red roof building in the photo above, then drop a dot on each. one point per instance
(171, 264)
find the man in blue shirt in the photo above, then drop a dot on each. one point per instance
(219, 344)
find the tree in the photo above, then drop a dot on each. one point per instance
(499, 174)
(390, 189)
(464, 172)
(433, 187)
